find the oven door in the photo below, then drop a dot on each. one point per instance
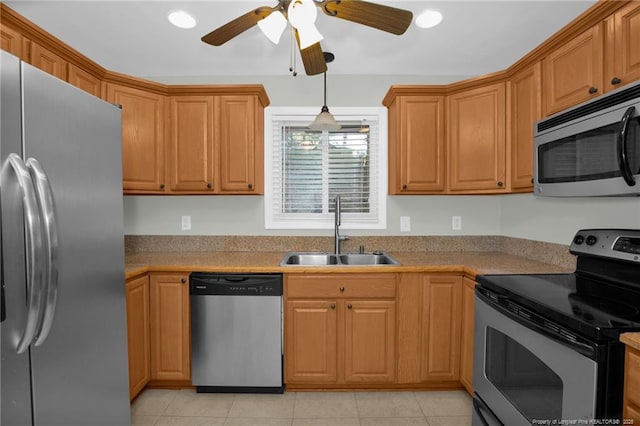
(523, 375)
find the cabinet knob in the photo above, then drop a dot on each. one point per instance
(404, 186)
(209, 185)
(162, 186)
(341, 288)
(350, 306)
(183, 280)
(333, 306)
(593, 90)
(250, 186)
(500, 183)
(615, 80)
(531, 180)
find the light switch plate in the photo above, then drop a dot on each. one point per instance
(456, 223)
(405, 223)
(186, 223)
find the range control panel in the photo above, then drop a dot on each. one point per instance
(623, 244)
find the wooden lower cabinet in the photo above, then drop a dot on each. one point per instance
(170, 323)
(429, 329)
(632, 386)
(467, 333)
(340, 330)
(137, 297)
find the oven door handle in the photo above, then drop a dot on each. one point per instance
(583, 348)
(623, 161)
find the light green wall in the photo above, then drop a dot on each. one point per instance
(523, 216)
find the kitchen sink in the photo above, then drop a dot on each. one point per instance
(330, 259)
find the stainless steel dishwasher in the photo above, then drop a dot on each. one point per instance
(236, 332)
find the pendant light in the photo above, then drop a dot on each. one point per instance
(324, 120)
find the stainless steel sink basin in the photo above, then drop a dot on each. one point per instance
(367, 259)
(330, 259)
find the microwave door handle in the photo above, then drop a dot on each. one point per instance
(623, 161)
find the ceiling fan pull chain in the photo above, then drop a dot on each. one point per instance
(292, 54)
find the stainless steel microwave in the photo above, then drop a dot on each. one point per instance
(592, 149)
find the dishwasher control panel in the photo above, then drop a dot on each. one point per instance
(203, 283)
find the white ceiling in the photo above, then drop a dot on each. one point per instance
(134, 37)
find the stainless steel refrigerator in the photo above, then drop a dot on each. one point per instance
(63, 329)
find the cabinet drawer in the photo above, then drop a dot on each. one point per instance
(342, 285)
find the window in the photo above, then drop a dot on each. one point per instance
(305, 170)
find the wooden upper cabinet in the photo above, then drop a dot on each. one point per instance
(241, 145)
(11, 41)
(622, 56)
(416, 145)
(526, 109)
(477, 140)
(84, 80)
(191, 151)
(573, 73)
(142, 138)
(48, 61)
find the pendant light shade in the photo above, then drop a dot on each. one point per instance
(324, 120)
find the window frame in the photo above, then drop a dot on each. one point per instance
(325, 220)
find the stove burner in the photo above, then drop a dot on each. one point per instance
(592, 307)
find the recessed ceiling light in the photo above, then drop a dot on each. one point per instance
(182, 19)
(429, 18)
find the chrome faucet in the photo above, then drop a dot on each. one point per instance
(336, 226)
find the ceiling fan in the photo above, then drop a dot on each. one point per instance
(302, 14)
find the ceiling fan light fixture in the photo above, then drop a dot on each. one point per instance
(273, 26)
(302, 15)
(429, 18)
(325, 121)
(181, 19)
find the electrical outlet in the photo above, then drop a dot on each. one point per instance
(456, 223)
(405, 223)
(186, 223)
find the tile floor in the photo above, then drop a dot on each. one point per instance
(187, 408)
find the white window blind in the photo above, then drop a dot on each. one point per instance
(305, 170)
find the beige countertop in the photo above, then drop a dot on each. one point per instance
(631, 339)
(470, 263)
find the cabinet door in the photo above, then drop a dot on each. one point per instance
(418, 157)
(526, 109)
(632, 385)
(192, 143)
(11, 41)
(142, 138)
(85, 81)
(48, 61)
(138, 334)
(170, 327)
(441, 323)
(466, 335)
(240, 145)
(626, 47)
(477, 140)
(573, 73)
(369, 341)
(311, 341)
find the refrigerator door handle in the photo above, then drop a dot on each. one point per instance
(34, 248)
(49, 226)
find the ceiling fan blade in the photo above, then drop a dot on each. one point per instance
(231, 29)
(385, 18)
(312, 58)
